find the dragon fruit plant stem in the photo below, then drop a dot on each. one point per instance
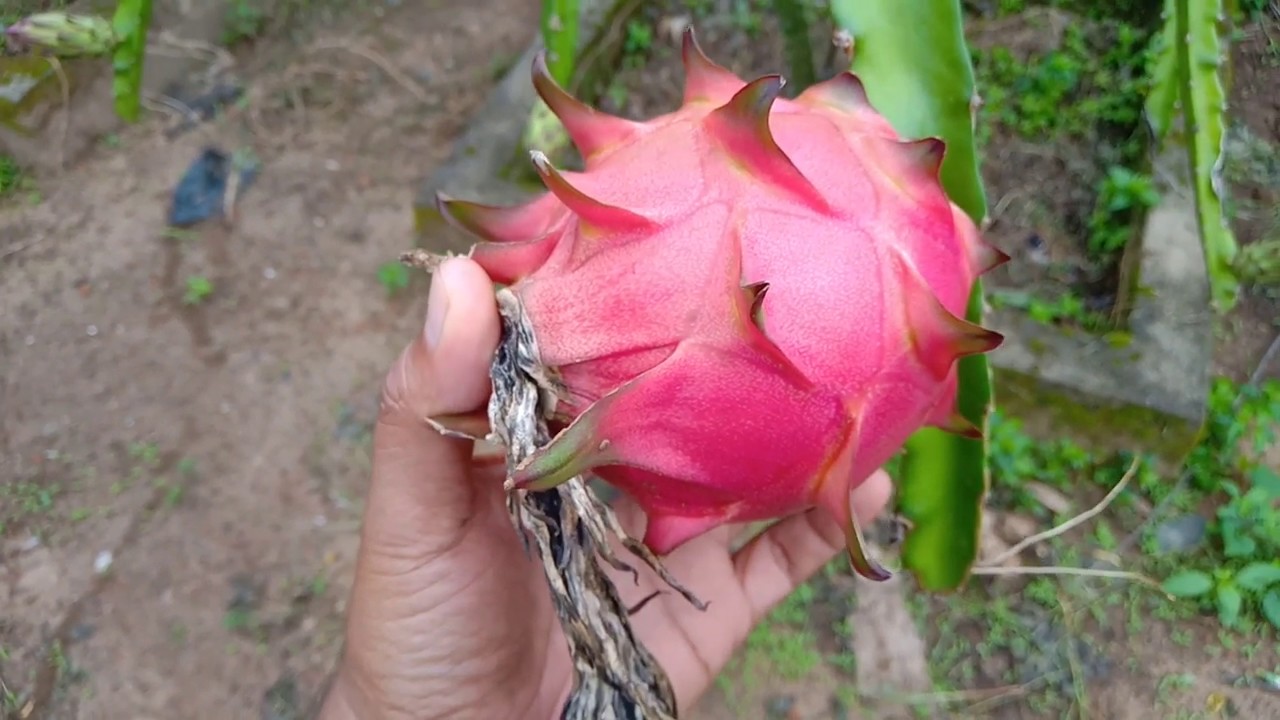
(69, 35)
(742, 308)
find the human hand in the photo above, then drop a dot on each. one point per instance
(449, 617)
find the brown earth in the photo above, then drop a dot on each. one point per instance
(183, 482)
(1253, 186)
(217, 451)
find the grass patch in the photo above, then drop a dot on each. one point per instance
(1073, 88)
(1051, 637)
(11, 176)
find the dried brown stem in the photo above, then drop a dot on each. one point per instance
(571, 530)
(1074, 571)
(1073, 522)
(391, 70)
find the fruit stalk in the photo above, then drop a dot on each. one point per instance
(615, 676)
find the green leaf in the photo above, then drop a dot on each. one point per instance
(1271, 607)
(1258, 576)
(1229, 603)
(1188, 583)
(131, 22)
(912, 57)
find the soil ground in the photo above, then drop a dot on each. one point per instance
(183, 480)
(216, 453)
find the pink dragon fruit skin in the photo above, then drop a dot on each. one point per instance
(751, 302)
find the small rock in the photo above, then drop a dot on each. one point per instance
(1050, 498)
(102, 562)
(779, 707)
(1038, 250)
(1099, 303)
(82, 631)
(1050, 655)
(1015, 528)
(1181, 533)
(995, 667)
(280, 701)
(245, 592)
(839, 708)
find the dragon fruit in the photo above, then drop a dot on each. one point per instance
(747, 304)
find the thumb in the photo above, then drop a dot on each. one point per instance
(422, 494)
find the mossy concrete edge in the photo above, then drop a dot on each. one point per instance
(1149, 393)
(477, 169)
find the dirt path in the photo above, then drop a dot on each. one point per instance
(180, 483)
(208, 459)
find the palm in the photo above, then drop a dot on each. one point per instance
(450, 617)
(691, 645)
(503, 654)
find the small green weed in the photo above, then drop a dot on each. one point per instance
(784, 641)
(1088, 91)
(1253, 9)
(1121, 194)
(748, 16)
(10, 175)
(1068, 308)
(394, 277)
(1016, 458)
(1257, 582)
(639, 38)
(180, 235)
(145, 453)
(783, 644)
(1086, 85)
(246, 19)
(700, 8)
(26, 499)
(198, 289)
(1238, 574)
(1235, 573)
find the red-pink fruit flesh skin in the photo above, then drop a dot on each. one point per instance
(752, 301)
